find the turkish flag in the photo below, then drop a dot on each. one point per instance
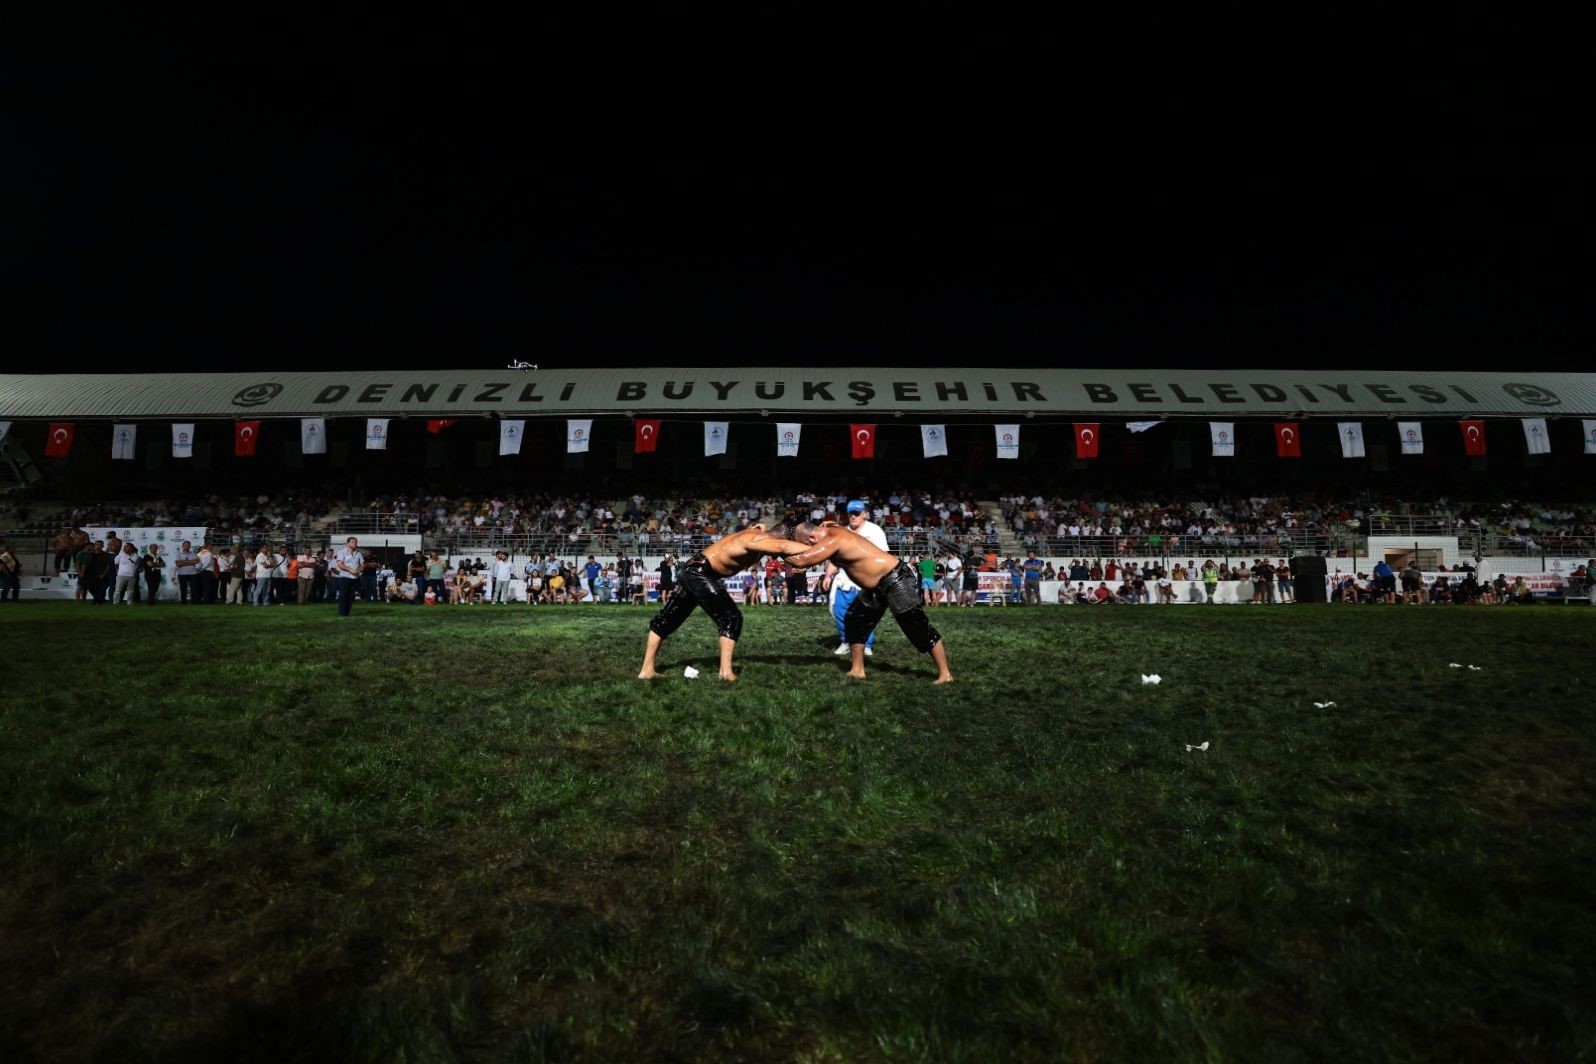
(1473, 436)
(436, 426)
(864, 440)
(1288, 440)
(1086, 439)
(59, 442)
(245, 433)
(645, 436)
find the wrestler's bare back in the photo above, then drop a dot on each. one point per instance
(865, 563)
(736, 552)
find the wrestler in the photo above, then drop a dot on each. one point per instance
(700, 582)
(885, 583)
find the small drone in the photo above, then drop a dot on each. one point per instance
(523, 365)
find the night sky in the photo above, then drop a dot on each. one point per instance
(177, 208)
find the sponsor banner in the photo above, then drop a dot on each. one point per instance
(377, 434)
(1008, 440)
(578, 432)
(1535, 436)
(1351, 433)
(1411, 433)
(183, 439)
(1542, 584)
(124, 438)
(510, 433)
(313, 435)
(1223, 436)
(715, 433)
(934, 441)
(169, 539)
(788, 434)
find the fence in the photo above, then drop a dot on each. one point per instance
(1199, 547)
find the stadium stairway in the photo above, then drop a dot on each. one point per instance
(1009, 545)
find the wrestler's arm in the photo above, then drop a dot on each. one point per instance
(786, 548)
(816, 554)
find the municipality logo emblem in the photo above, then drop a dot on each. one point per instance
(1532, 394)
(256, 394)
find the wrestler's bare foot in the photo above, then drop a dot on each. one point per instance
(857, 674)
(942, 679)
(728, 676)
(649, 674)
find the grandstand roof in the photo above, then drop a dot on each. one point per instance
(840, 393)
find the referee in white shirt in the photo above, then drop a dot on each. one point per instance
(843, 589)
(345, 572)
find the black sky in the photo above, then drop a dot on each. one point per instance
(173, 206)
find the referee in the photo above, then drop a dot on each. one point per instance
(346, 568)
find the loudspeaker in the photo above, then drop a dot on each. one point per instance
(1307, 578)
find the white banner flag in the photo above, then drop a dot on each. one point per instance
(1535, 437)
(376, 434)
(182, 439)
(1142, 426)
(510, 433)
(1351, 433)
(787, 434)
(934, 440)
(715, 433)
(1411, 433)
(123, 439)
(1590, 436)
(577, 433)
(1008, 440)
(1223, 435)
(312, 435)
(5, 429)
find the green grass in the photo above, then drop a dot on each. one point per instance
(438, 834)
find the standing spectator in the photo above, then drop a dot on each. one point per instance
(282, 587)
(590, 573)
(926, 565)
(1263, 582)
(667, 578)
(303, 574)
(436, 567)
(416, 573)
(205, 576)
(93, 569)
(1385, 581)
(1166, 589)
(243, 585)
(843, 590)
(1210, 580)
(501, 578)
(224, 573)
(10, 574)
(950, 578)
(385, 577)
(1284, 584)
(346, 568)
(153, 566)
(113, 552)
(1033, 579)
(368, 579)
(186, 567)
(127, 575)
(265, 561)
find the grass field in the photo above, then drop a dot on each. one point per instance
(439, 834)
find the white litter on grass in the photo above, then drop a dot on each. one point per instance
(1324, 705)
(690, 672)
(1471, 668)
(1455, 665)
(1475, 668)
(1201, 748)
(1154, 678)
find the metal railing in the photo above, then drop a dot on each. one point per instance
(1196, 546)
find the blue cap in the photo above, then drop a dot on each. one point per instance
(856, 506)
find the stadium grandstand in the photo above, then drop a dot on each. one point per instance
(990, 464)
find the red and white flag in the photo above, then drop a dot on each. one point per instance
(645, 436)
(59, 443)
(864, 440)
(1086, 436)
(245, 433)
(1288, 440)
(1473, 436)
